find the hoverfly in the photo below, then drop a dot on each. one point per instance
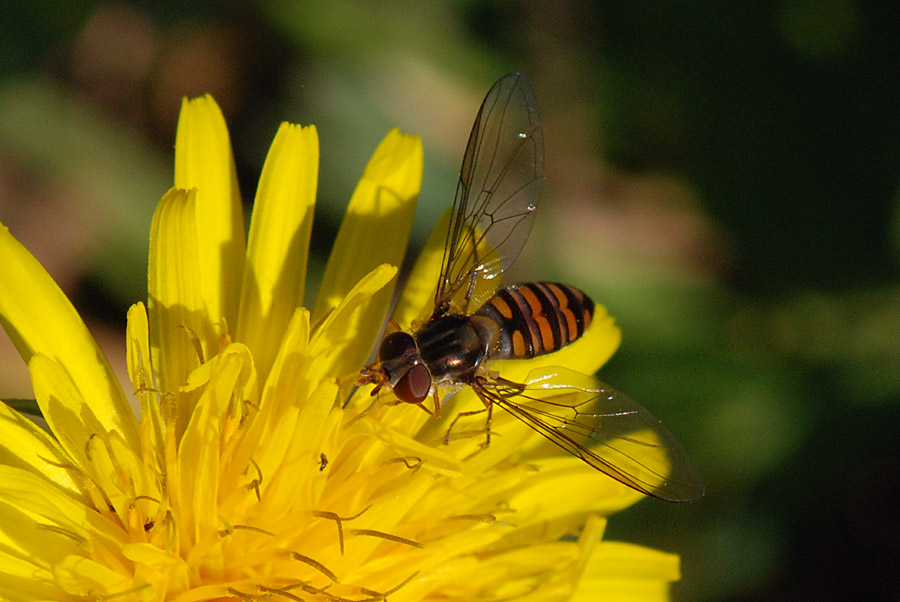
(500, 179)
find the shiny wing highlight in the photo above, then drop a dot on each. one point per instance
(499, 183)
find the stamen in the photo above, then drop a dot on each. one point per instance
(87, 447)
(358, 514)
(281, 592)
(195, 342)
(384, 595)
(413, 466)
(254, 529)
(489, 519)
(142, 371)
(124, 480)
(387, 536)
(309, 589)
(67, 465)
(337, 519)
(483, 518)
(133, 506)
(314, 564)
(81, 541)
(225, 338)
(255, 483)
(149, 389)
(230, 529)
(244, 596)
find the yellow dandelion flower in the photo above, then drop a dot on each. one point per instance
(248, 473)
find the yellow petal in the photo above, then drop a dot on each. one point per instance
(138, 348)
(566, 487)
(591, 536)
(433, 457)
(376, 227)
(58, 521)
(63, 407)
(35, 515)
(24, 445)
(282, 385)
(530, 572)
(22, 579)
(289, 476)
(268, 436)
(417, 299)
(80, 576)
(137, 343)
(196, 490)
(279, 239)
(620, 571)
(248, 392)
(616, 559)
(38, 318)
(105, 457)
(229, 380)
(203, 160)
(176, 306)
(622, 590)
(342, 343)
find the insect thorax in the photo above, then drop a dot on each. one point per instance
(451, 347)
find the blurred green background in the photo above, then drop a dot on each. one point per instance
(723, 176)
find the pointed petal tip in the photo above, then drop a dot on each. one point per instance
(399, 155)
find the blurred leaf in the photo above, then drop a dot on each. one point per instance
(123, 175)
(24, 406)
(852, 336)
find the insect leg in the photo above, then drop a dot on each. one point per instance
(487, 424)
(437, 404)
(435, 414)
(455, 420)
(377, 403)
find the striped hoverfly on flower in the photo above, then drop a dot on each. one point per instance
(500, 178)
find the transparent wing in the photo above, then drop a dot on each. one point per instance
(606, 429)
(499, 183)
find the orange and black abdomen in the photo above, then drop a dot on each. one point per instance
(536, 318)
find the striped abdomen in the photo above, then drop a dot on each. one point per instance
(537, 317)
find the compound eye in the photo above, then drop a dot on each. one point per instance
(413, 387)
(396, 344)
